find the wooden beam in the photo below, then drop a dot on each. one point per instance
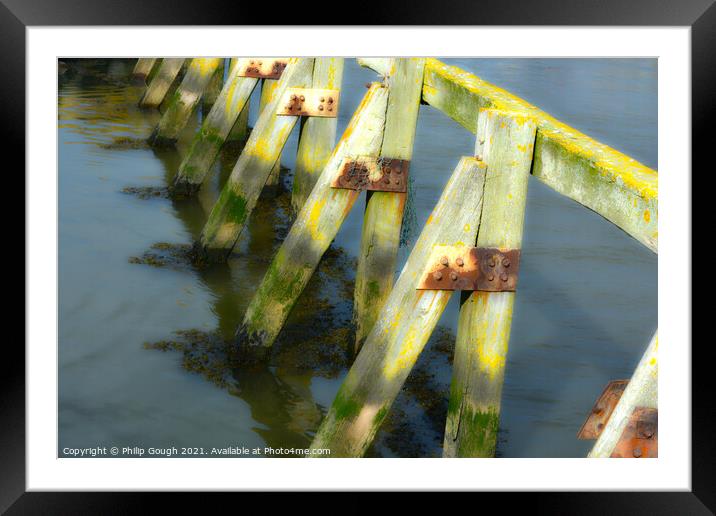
(143, 67)
(318, 134)
(184, 101)
(162, 81)
(642, 391)
(214, 131)
(405, 324)
(268, 93)
(380, 237)
(615, 186)
(313, 231)
(241, 191)
(213, 89)
(240, 131)
(505, 142)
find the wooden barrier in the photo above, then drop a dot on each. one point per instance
(159, 86)
(184, 101)
(313, 231)
(214, 131)
(318, 135)
(241, 191)
(380, 237)
(617, 187)
(506, 142)
(405, 323)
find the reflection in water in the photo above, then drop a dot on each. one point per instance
(572, 331)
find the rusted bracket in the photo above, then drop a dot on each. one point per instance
(309, 102)
(602, 410)
(376, 174)
(471, 268)
(262, 68)
(640, 438)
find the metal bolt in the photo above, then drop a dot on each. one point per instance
(482, 141)
(438, 275)
(598, 410)
(293, 97)
(600, 426)
(367, 85)
(330, 99)
(503, 276)
(323, 99)
(490, 277)
(259, 63)
(491, 263)
(647, 434)
(478, 157)
(320, 108)
(506, 262)
(303, 98)
(330, 108)
(251, 62)
(444, 260)
(453, 276)
(386, 180)
(460, 262)
(637, 452)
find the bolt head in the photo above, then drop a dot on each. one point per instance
(491, 263)
(320, 108)
(637, 452)
(330, 99)
(303, 98)
(453, 276)
(460, 262)
(444, 260)
(293, 97)
(503, 276)
(323, 99)
(478, 157)
(490, 277)
(506, 262)
(438, 275)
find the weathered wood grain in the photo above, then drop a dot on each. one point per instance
(214, 131)
(162, 81)
(240, 132)
(313, 231)
(505, 142)
(318, 134)
(241, 191)
(405, 323)
(380, 236)
(143, 67)
(615, 186)
(184, 101)
(642, 391)
(268, 91)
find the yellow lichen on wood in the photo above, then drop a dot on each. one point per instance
(159, 86)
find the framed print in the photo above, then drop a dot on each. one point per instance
(431, 253)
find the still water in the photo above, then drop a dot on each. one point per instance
(142, 332)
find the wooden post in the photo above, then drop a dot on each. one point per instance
(143, 67)
(268, 90)
(214, 131)
(405, 323)
(642, 391)
(505, 141)
(318, 135)
(240, 131)
(242, 189)
(184, 101)
(313, 231)
(380, 238)
(158, 87)
(213, 89)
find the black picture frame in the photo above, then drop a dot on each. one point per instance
(17, 15)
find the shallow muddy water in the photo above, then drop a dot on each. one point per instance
(143, 334)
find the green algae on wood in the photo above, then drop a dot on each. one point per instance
(380, 236)
(505, 142)
(213, 89)
(405, 323)
(240, 132)
(615, 186)
(214, 131)
(318, 134)
(162, 81)
(641, 391)
(241, 191)
(185, 100)
(313, 231)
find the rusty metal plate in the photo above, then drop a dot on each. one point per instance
(309, 102)
(262, 68)
(471, 268)
(376, 174)
(640, 439)
(602, 410)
